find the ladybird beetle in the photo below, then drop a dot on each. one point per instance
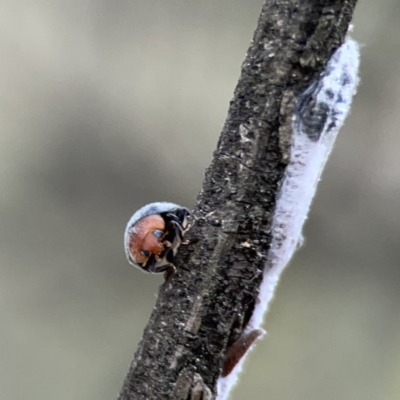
(153, 235)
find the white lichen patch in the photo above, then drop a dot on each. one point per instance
(320, 113)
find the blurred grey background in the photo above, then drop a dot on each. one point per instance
(106, 106)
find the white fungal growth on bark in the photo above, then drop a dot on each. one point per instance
(320, 113)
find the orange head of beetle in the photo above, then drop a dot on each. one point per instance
(146, 239)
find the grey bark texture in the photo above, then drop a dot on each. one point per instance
(202, 310)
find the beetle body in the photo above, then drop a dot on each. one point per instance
(153, 235)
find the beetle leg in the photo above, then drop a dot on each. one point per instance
(169, 272)
(168, 269)
(144, 263)
(178, 229)
(159, 264)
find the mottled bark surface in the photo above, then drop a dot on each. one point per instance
(202, 310)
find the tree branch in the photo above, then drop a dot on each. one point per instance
(204, 319)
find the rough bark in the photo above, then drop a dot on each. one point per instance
(202, 310)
